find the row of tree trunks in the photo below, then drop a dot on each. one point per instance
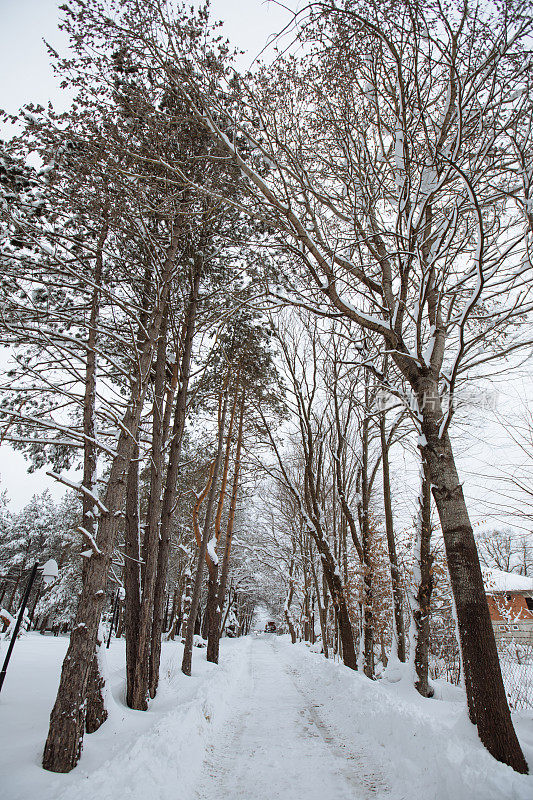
(309, 508)
(213, 609)
(65, 737)
(133, 561)
(144, 612)
(140, 673)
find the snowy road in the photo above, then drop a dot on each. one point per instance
(272, 720)
(279, 743)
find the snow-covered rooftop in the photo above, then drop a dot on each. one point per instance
(496, 580)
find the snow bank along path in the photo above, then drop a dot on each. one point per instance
(272, 721)
(135, 755)
(305, 727)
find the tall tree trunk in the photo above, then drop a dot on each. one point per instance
(132, 572)
(215, 598)
(366, 543)
(173, 613)
(321, 614)
(338, 598)
(487, 701)
(65, 736)
(96, 711)
(202, 549)
(397, 595)
(140, 685)
(290, 594)
(177, 611)
(422, 605)
(187, 597)
(171, 484)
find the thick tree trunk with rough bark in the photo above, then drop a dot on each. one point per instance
(487, 701)
(65, 737)
(96, 711)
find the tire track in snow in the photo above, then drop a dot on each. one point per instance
(277, 746)
(357, 769)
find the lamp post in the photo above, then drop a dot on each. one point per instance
(49, 573)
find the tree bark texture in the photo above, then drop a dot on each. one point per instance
(132, 572)
(214, 606)
(487, 701)
(171, 483)
(140, 688)
(422, 611)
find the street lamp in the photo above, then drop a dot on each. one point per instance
(50, 573)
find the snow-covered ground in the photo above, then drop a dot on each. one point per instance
(272, 721)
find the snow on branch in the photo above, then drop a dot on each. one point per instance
(90, 538)
(78, 487)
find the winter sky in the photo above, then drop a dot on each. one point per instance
(484, 447)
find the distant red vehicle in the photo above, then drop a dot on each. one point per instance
(270, 627)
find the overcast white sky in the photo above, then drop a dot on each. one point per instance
(27, 77)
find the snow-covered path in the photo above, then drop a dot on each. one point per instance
(272, 720)
(279, 743)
